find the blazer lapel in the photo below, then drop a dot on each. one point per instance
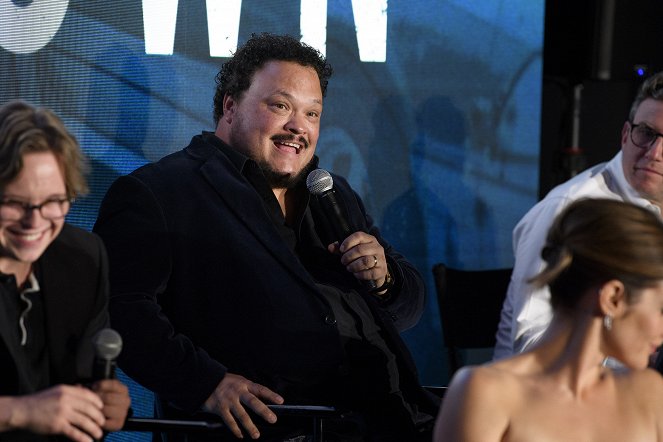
(61, 313)
(250, 212)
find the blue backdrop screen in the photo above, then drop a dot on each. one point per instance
(433, 112)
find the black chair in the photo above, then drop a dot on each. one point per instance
(212, 424)
(470, 302)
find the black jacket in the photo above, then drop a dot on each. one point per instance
(73, 278)
(201, 283)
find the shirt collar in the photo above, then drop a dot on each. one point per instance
(239, 160)
(31, 284)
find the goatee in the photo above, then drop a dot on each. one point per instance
(279, 180)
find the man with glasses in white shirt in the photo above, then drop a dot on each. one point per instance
(635, 175)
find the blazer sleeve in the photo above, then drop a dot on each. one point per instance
(99, 318)
(405, 303)
(73, 276)
(132, 224)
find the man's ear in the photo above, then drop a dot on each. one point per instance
(612, 298)
(229, 105)
(626, 130)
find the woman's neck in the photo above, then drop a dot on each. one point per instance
(570, 352)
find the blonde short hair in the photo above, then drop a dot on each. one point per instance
(25, 129)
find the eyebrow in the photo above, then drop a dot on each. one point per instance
(291, 97)
(22, 199)
(645, 124)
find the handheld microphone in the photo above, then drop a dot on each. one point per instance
(107, 347)
(321, 185)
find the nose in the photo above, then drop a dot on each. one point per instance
(31, 216)
(296, 124)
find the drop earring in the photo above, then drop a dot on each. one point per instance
(607, 322)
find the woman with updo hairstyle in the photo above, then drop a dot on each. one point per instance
(604, 267)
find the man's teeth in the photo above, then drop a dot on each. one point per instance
(31, 236)
(296, 146)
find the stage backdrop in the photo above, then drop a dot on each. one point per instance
(432, 113)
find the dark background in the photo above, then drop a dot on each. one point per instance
(597, 44)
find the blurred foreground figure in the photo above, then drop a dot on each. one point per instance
(604, 267)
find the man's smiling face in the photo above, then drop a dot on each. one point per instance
(276, 122)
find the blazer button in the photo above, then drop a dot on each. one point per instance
(330, 319)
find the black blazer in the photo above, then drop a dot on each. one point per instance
(73, 277)
(201, 283)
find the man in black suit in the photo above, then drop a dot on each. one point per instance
(227, 291)
(53, 289)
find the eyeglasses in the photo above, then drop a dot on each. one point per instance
(643, 136)
(55, 208)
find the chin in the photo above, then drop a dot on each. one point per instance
(33, 252)
(30, 257)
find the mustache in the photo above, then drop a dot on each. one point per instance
(300, 140)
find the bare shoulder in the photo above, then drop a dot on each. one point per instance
(478, 405)
(480, 373)
(485, 380)
(643, 383)
(641, 390)
(641, 378)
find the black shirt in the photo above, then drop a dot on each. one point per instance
(23, 329)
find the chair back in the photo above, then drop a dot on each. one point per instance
(470, 302)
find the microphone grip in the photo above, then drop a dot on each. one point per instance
(339, 224)
(103, 369)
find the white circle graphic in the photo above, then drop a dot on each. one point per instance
(26, 29)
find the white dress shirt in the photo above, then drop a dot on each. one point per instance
(526, 312)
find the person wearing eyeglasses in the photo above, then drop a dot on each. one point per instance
(634, 175)
(53, 289)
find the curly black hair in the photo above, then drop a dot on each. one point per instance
(236, 74)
